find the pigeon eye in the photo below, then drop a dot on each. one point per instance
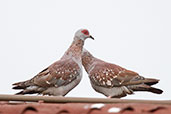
(85, 32)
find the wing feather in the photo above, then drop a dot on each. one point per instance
(58, 74)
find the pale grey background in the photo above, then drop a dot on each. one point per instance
(133, 34)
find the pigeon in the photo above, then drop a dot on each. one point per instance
(60, 77)
(114, 81)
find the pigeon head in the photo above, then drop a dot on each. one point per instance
(83, 34)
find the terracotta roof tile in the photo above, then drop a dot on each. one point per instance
(83, 108)
(16, 104)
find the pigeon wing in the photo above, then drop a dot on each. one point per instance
(58, 74)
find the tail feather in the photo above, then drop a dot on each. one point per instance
(31, 90)
(151, 81)
(26, 92)
(19, 85)
(148, 88)
(28, 87)
(22, 85)
(155, 90)
(147, 81)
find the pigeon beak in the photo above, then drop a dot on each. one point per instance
(91, 37)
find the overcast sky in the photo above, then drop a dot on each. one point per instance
(133, 34)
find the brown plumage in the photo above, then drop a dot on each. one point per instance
(113, 80)
(60, 77)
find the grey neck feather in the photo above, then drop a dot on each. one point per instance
(88, 60)
(75, 50)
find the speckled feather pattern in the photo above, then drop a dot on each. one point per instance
(58, 74)
(60, 77)
(110, 79)
(109, 75)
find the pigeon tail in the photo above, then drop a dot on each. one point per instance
(151, 81)
(25, 92)
(21, 85)
(148, 88)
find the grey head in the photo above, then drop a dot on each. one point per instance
(83, 34)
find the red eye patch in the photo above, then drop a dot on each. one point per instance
(85, 32)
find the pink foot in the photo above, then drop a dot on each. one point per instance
(109, 97)
(41, 101)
